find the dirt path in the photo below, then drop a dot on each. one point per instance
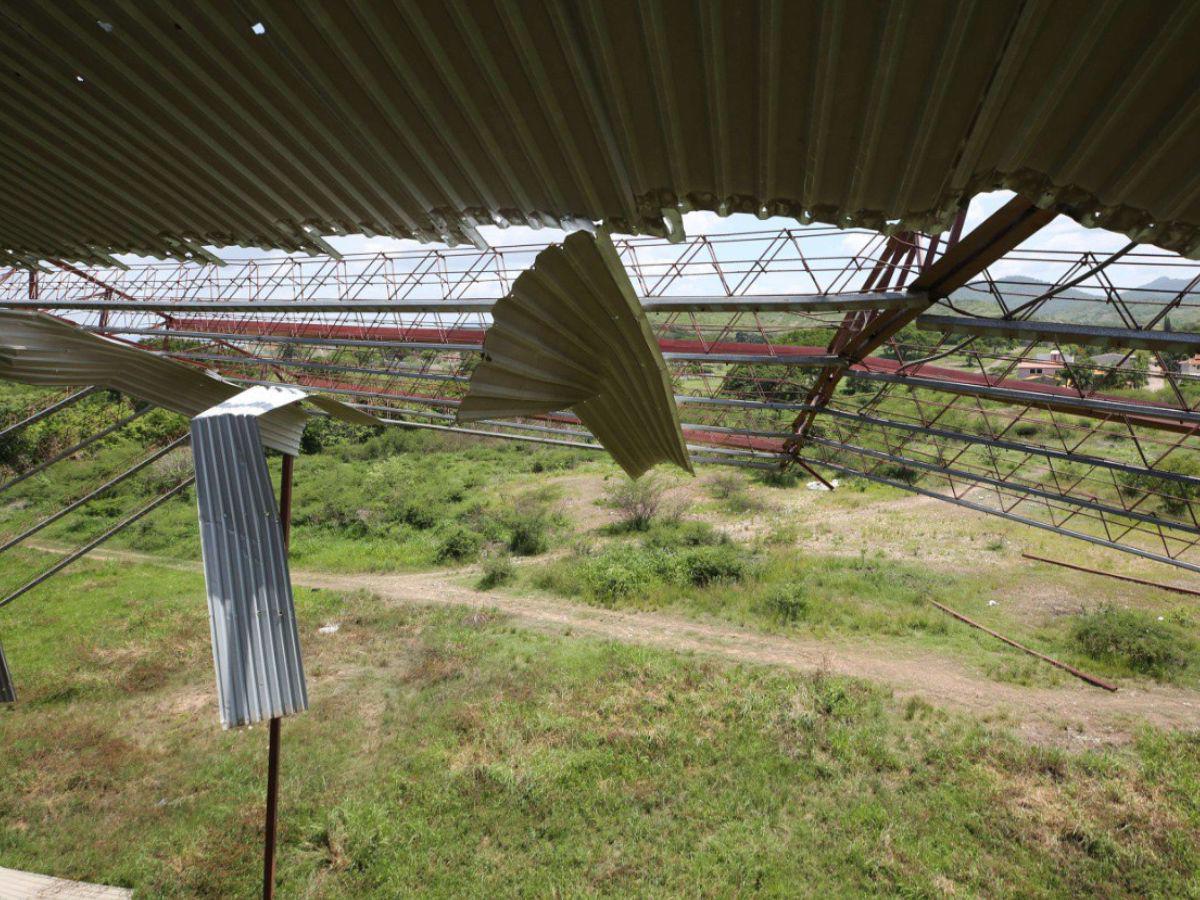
(1070, 714)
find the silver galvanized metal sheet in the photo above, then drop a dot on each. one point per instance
(256, 643)
(572, 334)
(39, 349)
(8, 692)
(271, 124)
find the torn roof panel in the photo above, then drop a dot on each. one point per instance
(571, 334)
(252, 615)
(36, 348)
(426, 119)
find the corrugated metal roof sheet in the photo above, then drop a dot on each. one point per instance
(571, 334)
(40, 349)
(8, 693)
(155, 128)
(256, 644)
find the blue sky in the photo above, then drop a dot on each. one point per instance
(1062, 234)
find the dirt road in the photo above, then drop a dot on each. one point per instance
(1070, 714)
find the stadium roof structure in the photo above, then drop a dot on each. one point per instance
(160, 128)
(890, 345)
(816, 347)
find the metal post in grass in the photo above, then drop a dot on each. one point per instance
(8, 693)
(285, 523)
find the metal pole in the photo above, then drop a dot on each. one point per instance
(1154, 584)
(1083, 676)
(285, 522)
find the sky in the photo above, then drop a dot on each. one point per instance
(1061, 234)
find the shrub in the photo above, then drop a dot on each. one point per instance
(1133, 638)
(528, 533)
(619, 573)
(639, 502)
(724, 485)
(690, 533)
(731, 489)
(1173, 496)
(458, 543)
(704, 565)
(497, 570)
(786, 603)
(777, 478)
(899, 472)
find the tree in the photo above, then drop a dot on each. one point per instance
(1080, 373)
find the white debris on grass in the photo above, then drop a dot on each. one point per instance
(817, 486)
(330, 628)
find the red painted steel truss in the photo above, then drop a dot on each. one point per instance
(1058, 388)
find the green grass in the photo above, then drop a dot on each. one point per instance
(448, 754)
(390, 503)
(865, 597)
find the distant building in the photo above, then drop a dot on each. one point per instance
(1042, 368)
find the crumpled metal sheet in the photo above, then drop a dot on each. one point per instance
(425, 119)
(572, 334)
(255, 639)
(39, 349)
(8, 693)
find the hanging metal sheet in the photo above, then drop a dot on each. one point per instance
(270, 125)
(39, 349)
(256, 644)
(572, 334)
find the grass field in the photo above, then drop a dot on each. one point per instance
(453, 752)
(447, 753)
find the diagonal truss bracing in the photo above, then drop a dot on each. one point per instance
(1069, 396)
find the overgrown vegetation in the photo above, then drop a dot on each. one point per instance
(640, 502)
(448, 753)
(1135, 640)
(498, 570)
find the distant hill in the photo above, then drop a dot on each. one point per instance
(1079, 307)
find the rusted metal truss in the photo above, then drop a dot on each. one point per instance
(1052, 387)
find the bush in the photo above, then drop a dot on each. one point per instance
(778, 478)
(690, 533)
(458, 543)
(726, 484)
(497, 570)
(1173, 497)
(731, 489)
(1134, 639)
(528, 533)
(786, 603)
(619, 573)
(639, 502)
(704, 565)
(899, 472)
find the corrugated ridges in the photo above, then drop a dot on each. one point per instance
(38, 349)
(8, 692)
(256, 644)
(424, 119)
(571, 334)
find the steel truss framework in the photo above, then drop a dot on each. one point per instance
(1070, 402)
